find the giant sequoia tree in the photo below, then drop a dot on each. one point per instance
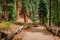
(24, 11)
(42, 12)
(5, 9)
(17, 3)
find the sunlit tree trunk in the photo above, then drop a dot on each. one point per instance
(24, 12)
(18, 9)
(5, 10)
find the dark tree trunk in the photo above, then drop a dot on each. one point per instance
(56, 13)
(49, 12)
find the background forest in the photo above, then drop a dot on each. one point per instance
(38, 15)
(47, 11)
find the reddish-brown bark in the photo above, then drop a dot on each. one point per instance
(24, 12)
(18, 9)
(5, 10)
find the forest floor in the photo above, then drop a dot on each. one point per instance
(35, 33)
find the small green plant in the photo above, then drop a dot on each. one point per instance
(4, 25)
(8, 24)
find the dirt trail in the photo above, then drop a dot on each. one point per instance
(35, 33)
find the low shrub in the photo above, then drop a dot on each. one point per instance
(4, 25)
(18, 23)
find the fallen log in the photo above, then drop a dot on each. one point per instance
(14, 32)
(9, 33)
(54, 29)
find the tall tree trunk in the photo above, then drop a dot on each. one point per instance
(18, 9)
(5, 10)
(56, 13)
(24, 12)
(49, 12)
